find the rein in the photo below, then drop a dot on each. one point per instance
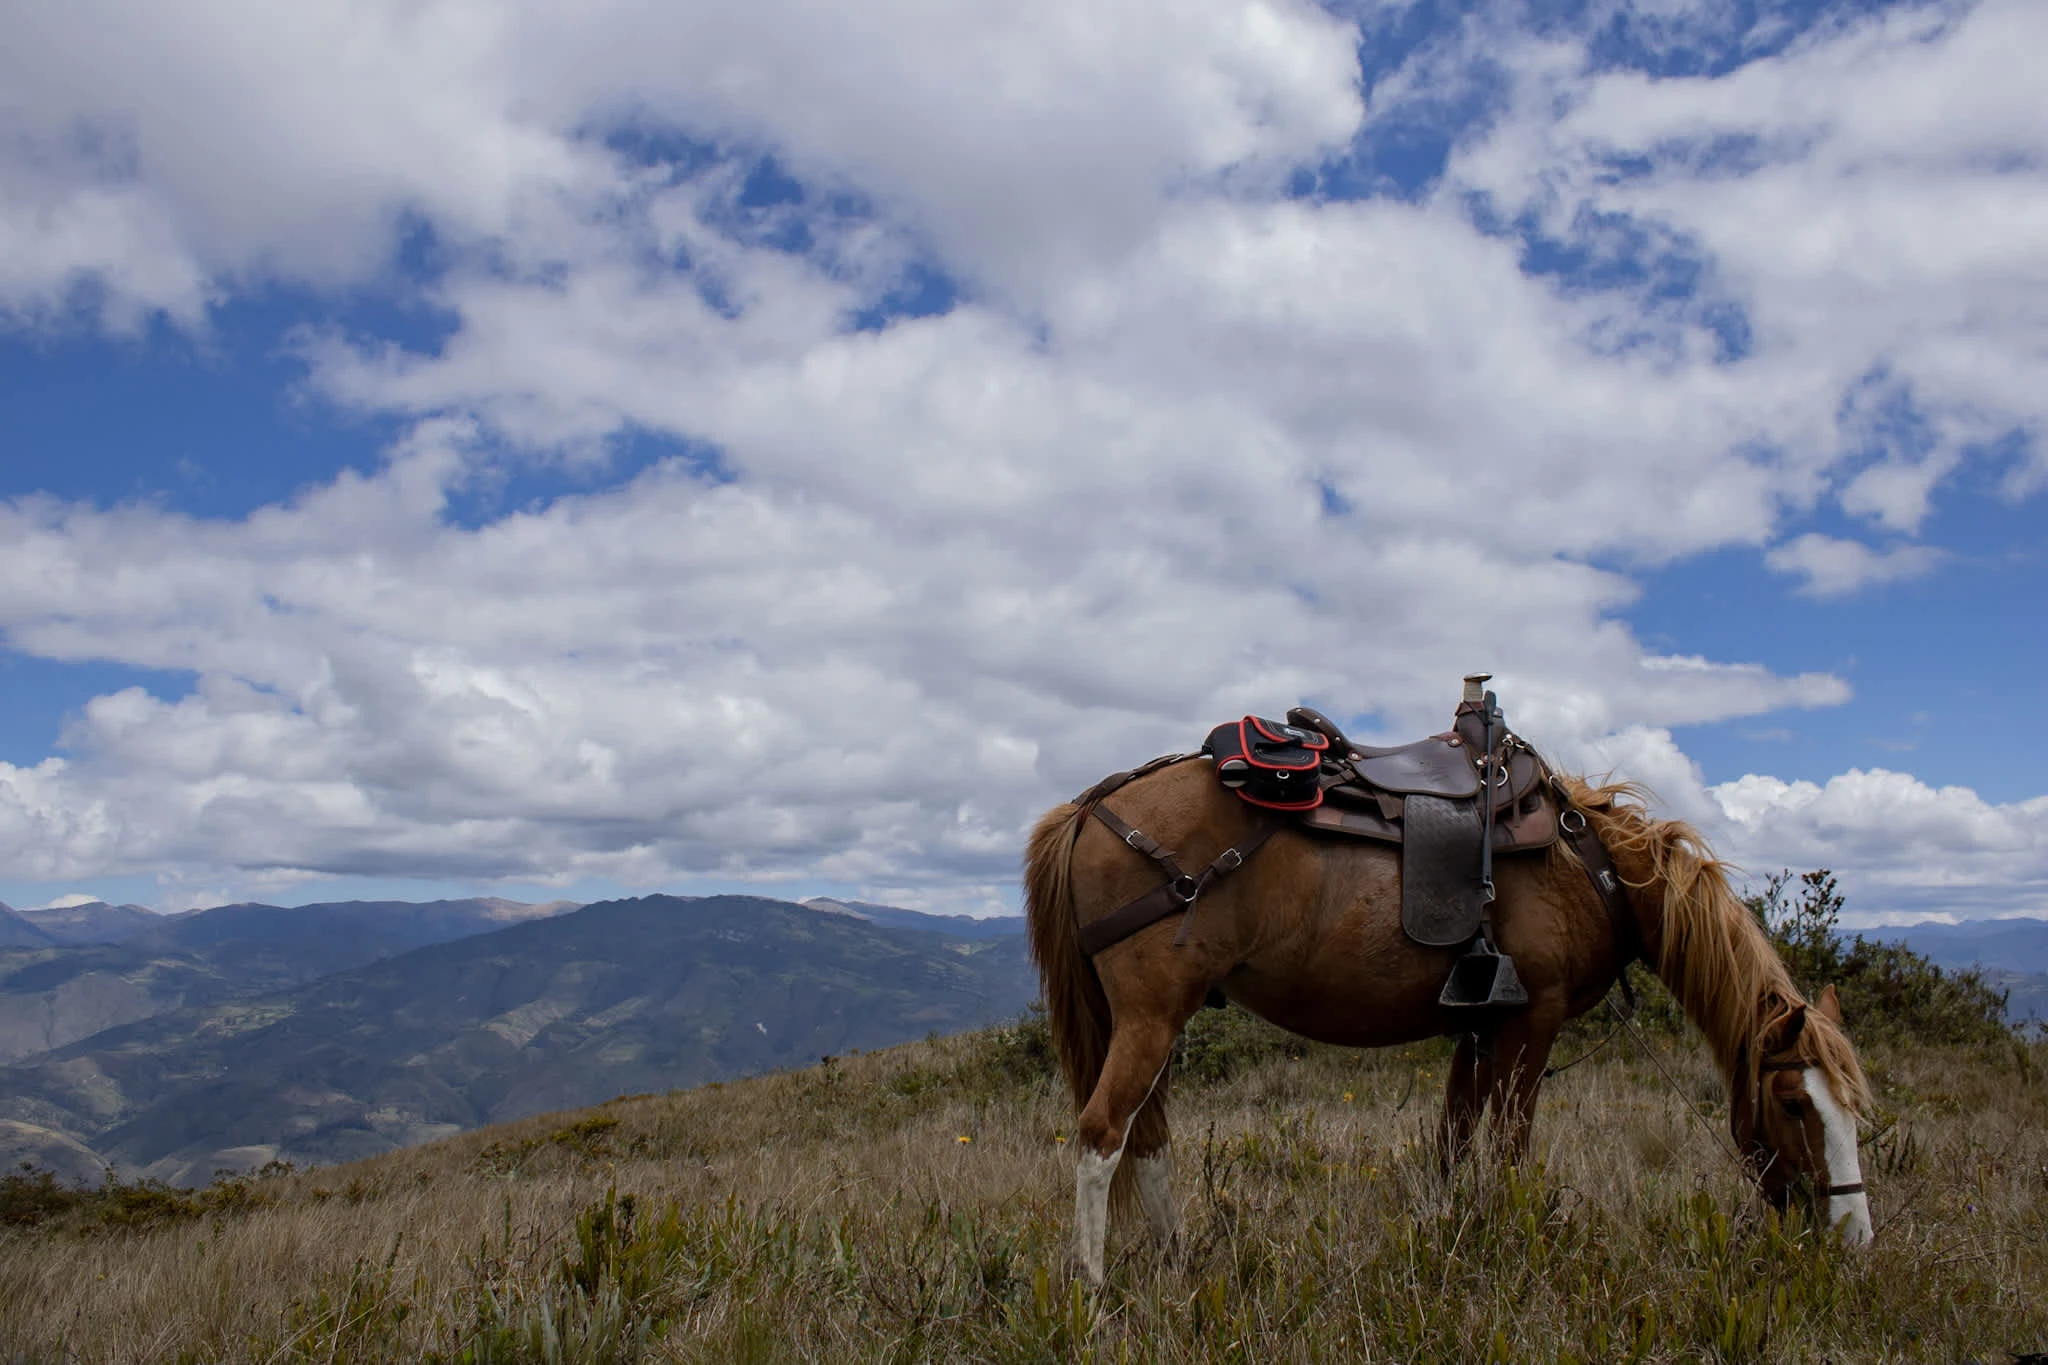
(1721, 1140)
(1621, 1018)
(1593, 857)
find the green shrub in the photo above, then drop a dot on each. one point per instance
(31, 1197)
(1021, 1052)
(1888, 991)
(1220, 1044)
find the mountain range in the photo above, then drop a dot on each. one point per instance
(171, 1046)
(90, 922)
(563, 1011)
(101, 966)
(2012, 945)
(2012, 954)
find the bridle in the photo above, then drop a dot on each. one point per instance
(1763, 1068)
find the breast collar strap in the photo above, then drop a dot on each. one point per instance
(1592, 854)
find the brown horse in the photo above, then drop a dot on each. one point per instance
(1308, 935)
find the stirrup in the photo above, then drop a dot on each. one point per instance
(1483, 976)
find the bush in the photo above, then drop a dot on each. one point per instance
(1888, 991)
(1220, 1044)
(31, 1197)
(1021, 1052)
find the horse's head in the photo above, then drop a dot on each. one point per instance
(1797, 1132)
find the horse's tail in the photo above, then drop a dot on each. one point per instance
(1074, 1003)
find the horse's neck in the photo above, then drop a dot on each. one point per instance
(1728, 1002)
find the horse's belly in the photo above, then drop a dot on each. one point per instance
(1363, 989)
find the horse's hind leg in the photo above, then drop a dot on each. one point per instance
(1155, 1192)
(1465, 1091)
(1133, 1069)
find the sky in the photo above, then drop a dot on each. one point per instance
(553, 450)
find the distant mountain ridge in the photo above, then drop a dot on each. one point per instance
(617, 997)
(19, 931)
(92, 922)
(2012, 953)
(2017, 945)
(53, 995)
(959, 926)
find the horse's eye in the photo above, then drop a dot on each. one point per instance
(1791, 1108)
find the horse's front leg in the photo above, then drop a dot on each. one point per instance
(1521, 1052)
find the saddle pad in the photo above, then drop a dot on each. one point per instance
(1441, 897)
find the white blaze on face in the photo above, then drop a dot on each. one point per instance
(1848, 1213)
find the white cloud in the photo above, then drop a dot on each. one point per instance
(66, 902)
(1874, 201)
(222, 141)
(1186, 448)
(1901, 842)
(1835, 568)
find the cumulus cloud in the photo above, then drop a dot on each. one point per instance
(1905, 844)
(67, 902)
(226, 141)
(1834, 568)
(1173, 446)
(1871, 201)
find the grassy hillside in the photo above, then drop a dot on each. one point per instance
(914, 1205)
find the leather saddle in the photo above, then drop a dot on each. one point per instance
(1443, 799)
(1367, 791)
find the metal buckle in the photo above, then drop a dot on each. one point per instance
(1132, 839)
(1572, 820)
(1236, 860)
(1185, 889)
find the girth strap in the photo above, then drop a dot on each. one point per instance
(1180, 892)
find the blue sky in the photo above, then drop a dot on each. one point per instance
(448, 451)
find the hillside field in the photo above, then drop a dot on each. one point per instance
(915, 1204)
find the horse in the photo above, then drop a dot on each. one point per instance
(1308, 936)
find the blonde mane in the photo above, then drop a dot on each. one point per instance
(1711, 952)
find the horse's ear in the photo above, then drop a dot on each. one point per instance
(1829, 1004)
(1783, 1033)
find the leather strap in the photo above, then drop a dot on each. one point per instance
(1117, 780)
(1578, 832)
(1179, 894)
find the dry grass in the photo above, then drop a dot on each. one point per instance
(837, 1214)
